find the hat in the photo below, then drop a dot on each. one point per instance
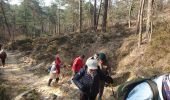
(102, 57)
(91, 63)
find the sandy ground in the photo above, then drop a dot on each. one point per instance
(17, 72)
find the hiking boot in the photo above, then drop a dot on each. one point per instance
(49, 82)
(56, 80)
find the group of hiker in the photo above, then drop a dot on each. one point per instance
(91, 76)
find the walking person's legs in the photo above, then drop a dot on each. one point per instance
(49, 82)
(57, 75)
(52, 76)
(101, 88)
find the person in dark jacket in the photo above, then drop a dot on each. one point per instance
(103, 65)
(88, 78)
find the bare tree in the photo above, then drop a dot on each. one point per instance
(80, 12)
(6, 22)
(97, 21)
(59, 30)
(94, 13)
(141, 22)
(91, 9)
(104, 22)
(14, 25)
(149, 19)
(130, 10)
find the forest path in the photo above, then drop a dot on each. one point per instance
(17, 73)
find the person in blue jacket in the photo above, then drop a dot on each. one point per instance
(88, 78)
(144, 92)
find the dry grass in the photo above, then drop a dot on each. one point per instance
(150, 59)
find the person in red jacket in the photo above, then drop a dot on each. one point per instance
(57, 64)
(55, 69)
(78, 64)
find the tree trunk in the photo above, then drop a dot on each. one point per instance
(42, 24)
(25, 26)
(94, 13)
(104, 22)
(91, 11)
(73, 18)
(14, 26)
(33, 36)
(80, 17)
(99, 14)
(6, 22)
(149, 18)
(59, 20)
(138, 20)
(141, 22)
(150, 35)
(130, 10)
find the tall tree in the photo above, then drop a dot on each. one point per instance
(141, 21)
(149, 19)
(97, 21)
(59, 23)
(94, 15)
(130, 10)
(5, 18)
(80, 12)
(14, 24)
(104, 22)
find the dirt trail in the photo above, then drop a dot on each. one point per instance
(18, 75)
(16, 72)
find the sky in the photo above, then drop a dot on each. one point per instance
(47, 2)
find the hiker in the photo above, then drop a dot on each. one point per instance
(77, 64)
(55, 70)
(102, 62)
(158, 90)
(52, 73)
(87, 80)
(58, 65)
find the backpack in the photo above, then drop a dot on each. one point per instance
(124, 89)
(49, 69)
